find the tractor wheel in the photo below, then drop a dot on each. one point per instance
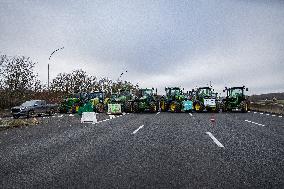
(51, 112)
(153, 107)
(198, 107)
(175, 107)
(16, 116)
(224, 108)
(163, 105)
(128, 107)
(244, 106)
(217, 109)
(136, 107)
(100, 108)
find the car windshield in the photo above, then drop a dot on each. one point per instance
(29, 103)
(205, 92)
(235, 92)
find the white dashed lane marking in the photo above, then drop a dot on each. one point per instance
(138, 129)
(254, 123)
(215, 140)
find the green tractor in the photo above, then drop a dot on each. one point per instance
(206, 99)
(121, 102)
(146, 101)
(175, 100)
(235, 99)
(72, 103)
(94, 102)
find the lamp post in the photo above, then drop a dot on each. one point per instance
(48, 65)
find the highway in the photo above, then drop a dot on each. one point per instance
(160, 150)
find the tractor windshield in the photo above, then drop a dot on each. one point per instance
(235, 92)
(175, 92)
(147, 92)
(124, 93)
(96, 95)
(205, 92)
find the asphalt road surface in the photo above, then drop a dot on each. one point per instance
(164, 150)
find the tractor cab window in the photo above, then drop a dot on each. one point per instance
(175, 92)
(124, 93)
(96, 95)
(235, 92)
(147, 92)
(205, 92)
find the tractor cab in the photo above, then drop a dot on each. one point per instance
(173, 92)
(205, 92)
(206, 99)
(98, 96)
(175, 100)
(235, 99)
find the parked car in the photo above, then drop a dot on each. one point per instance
(33, 107)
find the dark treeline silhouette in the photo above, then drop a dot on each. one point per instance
(269, 96)
(19, 82)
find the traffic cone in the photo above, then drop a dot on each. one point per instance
(212, 118)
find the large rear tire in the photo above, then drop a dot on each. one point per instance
(100, 108)
(136, 107)
(163, 105)
(198, 107)
(175, 106)
(244, 106)
(128, 107)
(153, 107)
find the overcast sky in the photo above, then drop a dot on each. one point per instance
(159, 43)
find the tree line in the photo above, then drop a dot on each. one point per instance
(19, 82)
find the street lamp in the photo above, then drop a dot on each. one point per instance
(48, 65)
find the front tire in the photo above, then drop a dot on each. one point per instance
(163, 105)
(153, 107)
(30, 114)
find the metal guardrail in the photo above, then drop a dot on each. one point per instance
(269, 108)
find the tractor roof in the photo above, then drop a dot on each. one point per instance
(204, 88)
(173, 88)
(236, 88)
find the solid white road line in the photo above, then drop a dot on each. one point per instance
(215, 140)
(138, 129)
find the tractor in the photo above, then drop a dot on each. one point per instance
(94, 102)
(206, 99)
(72, 103)
(175, 100)
(121, 102)
(146, 101)
(235, 99)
